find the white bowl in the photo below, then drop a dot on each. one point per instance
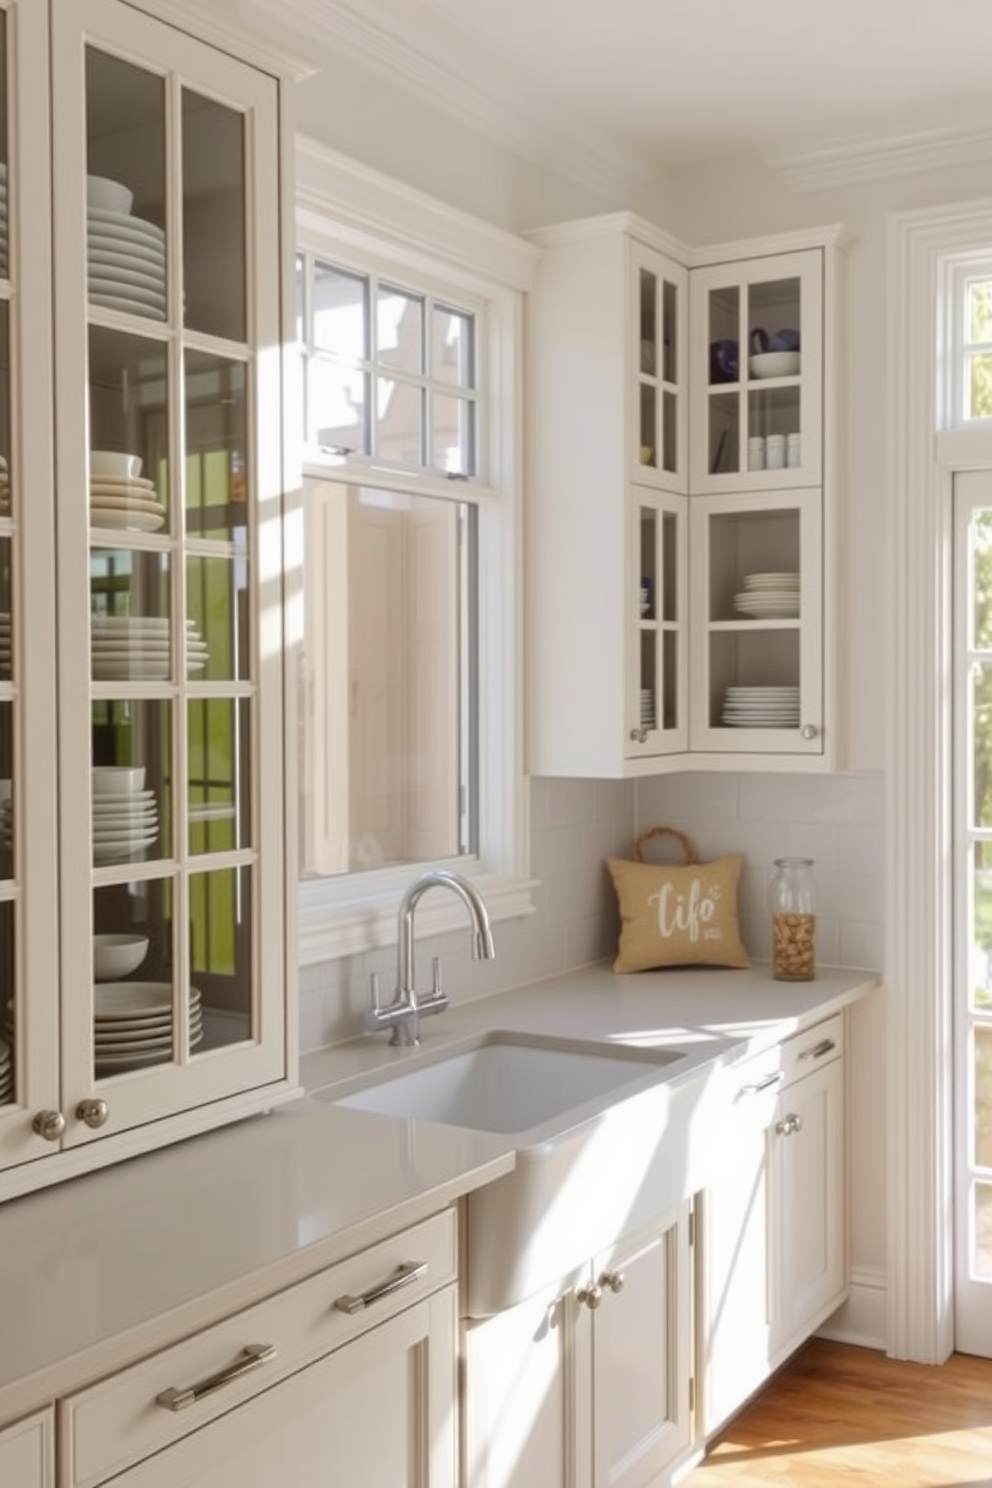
(115, 462)
(116, 956)
(108, 195)
(117, 780)
(774, 364)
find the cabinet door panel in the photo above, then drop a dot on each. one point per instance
(27, 1453)
(378, 1411)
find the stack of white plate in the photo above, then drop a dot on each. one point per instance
(769, 596)
(132, 1024)
(137, 648)
(647, 707)
(6, 1072)
(125, 257)
(4, 645)
(4, 259)
(127, 501)
(125, 824)
(761, 707)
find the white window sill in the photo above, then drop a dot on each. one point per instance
(329, 927)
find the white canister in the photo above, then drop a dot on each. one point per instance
(756, 452)
(793, 451)
(775, 452)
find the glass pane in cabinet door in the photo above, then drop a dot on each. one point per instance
(5, 471)
(131, 780)
(669, 680)
(8, 865)
(214, 218)
(218, 620)
(669, 432)
(7, 673)
(136, 1017)
(129, 432)
(648, 563)
(4, 151)
(218, 731)
(648, 695)
(669, 332)
(774, 317)
(131, 627)
(221, 934)
(125, 162)
(669, 604)
(8, 991)
(724, 433)
(217, 471)
(647, 452)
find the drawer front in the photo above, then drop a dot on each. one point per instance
(146, 1407)
(755, 1085)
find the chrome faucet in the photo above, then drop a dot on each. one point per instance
(405, 1011)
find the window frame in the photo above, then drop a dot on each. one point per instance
(352, 217)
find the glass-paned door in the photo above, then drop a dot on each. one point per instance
(657, 671)
(167, 297)
(972, 774)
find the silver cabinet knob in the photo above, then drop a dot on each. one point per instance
(92, 1113)
(789, 1125)
(639, 735)
(808, 731)
(592, 1296)
(49, 1124)
(612, 1279)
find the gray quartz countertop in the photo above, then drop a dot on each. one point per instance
(98, 1271)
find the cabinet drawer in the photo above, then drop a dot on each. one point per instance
(758, 1081)
(146, 1407)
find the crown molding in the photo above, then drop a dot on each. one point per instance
(451, 74)
(872, 157)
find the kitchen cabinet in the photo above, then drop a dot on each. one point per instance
(772, 1245)
(606, 541)
(681, 598)
(27, 1454)
(588, 1382)
(354, 1368)
(141, 640)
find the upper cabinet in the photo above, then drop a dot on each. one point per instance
(145, 865)
(681, 598)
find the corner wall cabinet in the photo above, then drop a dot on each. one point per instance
(772, 1243)
(587, 1382)
(681, 598)
(143, 870)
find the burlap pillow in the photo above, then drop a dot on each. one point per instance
(677, 915)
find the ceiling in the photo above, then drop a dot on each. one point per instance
(671, 83)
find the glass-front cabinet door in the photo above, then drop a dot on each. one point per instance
(657, 667)
(757, 382)
(169, 557)
(659, 401)
(757, 630)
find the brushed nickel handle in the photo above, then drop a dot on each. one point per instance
(789, 1125)
(763, 1084)
(92, 1113)
(403, 1275)
(591, 1296)
(612, 1279)
(252, 1356)
(825, 1046)
(48, 1124)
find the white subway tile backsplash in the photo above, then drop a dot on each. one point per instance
(577, 824)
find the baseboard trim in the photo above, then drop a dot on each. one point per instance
(863, 1318)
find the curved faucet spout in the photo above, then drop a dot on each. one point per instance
(439, 878)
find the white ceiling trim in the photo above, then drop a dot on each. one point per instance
(449, 79)
(872, 157)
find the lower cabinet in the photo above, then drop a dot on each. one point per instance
(27, 1452)
(587, 1384)
(350, 1376)
(772, 1264)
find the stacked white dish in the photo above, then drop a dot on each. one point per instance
(125, 255)
(125, 815)
(132, 1024)
(137, 648)
(769, 596)
(647, 707)
(761, 707)
(6, 1072)
(120, 496)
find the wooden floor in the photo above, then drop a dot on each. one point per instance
(838, 1415)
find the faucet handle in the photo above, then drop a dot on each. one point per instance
(374, 984)
(436, 977)
(436, 1002)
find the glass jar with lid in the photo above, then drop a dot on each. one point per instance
(792, 902)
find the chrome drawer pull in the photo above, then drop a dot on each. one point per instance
(401, 1277)
(762, 1084)
(252, 1356)
(825, 1046)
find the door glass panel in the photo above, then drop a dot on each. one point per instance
(8, 986)
(132, 779)
(5, 471)
(7, 791)
(218, 646)
(125, 162)
(221, 919)
(128, 587)
(219, 774)
(129, 433)
(214, 218)
(217, 473)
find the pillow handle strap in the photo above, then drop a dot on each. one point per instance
(680, 837)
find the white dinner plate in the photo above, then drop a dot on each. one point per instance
(136, 622)
(117, 800)
(111, 484)
(137, 294)
(782, 580)
(103, 278)
(122, 256)
(127, 999)
(138, 1041)
(127, 521)
(124, 222)
(127, 503)
(136, 252)
(138, 1025)
(127, 306)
